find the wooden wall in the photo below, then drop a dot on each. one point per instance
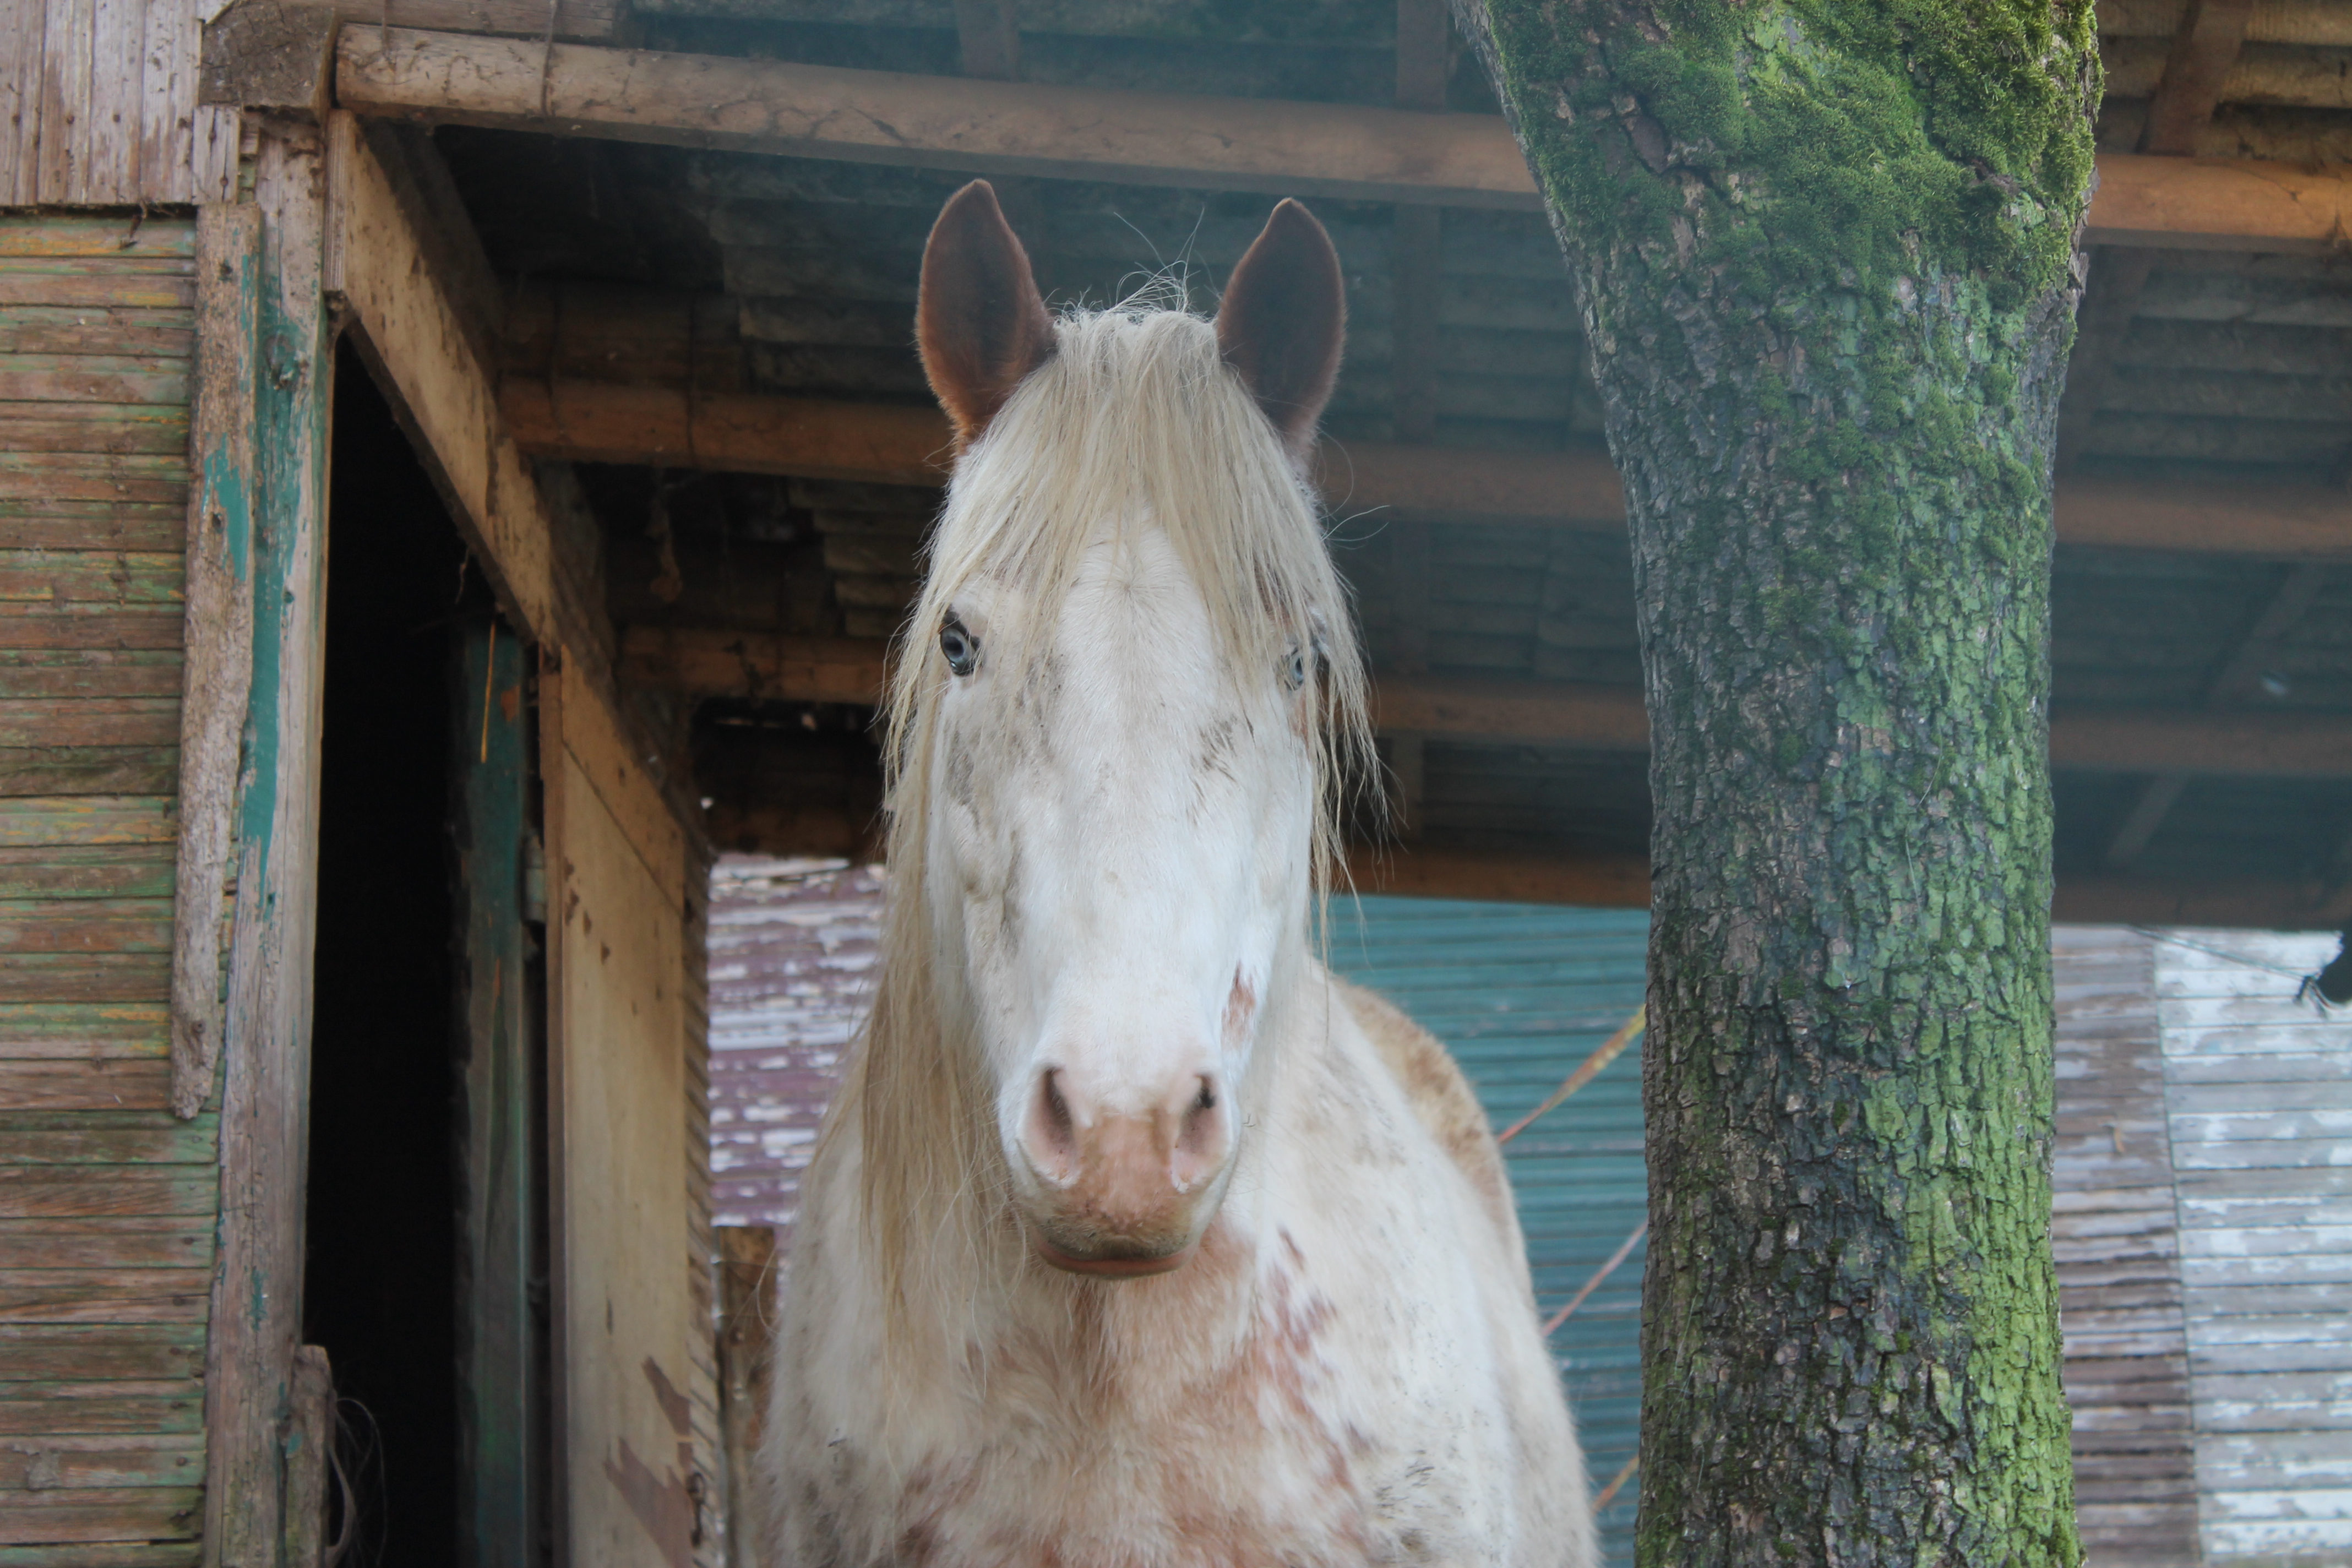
(106, 1247)
(2259, 1088)
(2127, 1365)
(97, 105)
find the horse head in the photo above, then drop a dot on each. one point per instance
(1120, 711)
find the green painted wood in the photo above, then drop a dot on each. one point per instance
(1521, 995)
(499, 1336)
(108, 1138)
(82, 1029)
(88, 770)
(71, 1406)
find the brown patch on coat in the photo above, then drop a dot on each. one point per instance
(1439, 1094)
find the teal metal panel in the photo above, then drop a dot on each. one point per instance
(1521, 995)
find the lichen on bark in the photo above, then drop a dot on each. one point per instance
(1824, 252)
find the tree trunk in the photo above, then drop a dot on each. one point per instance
(1824, 250)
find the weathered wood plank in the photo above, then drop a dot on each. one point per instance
(80, 720)
(218, 668)
(23, 24)
(81, 1030)
(85, 925)
(77, 1462)
(49, 624)
(107, 1241)
(86, 1086)
(74, 476)
(156, 1296)
(90, 378)
(100, 429)
(105, 1555)
(59, 1407)
(85, 977)
(95, 236)
(65, 101)
(115, 330)
(139, 1514)
(88, 770)
(115, 673)
(41, 1137)
(67, 1192)
(126, 577)
(86, 288)
(255, 1321)
(38, 1351)
(87, 820)
(411, 328)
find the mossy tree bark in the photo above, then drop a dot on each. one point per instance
(1824, 252)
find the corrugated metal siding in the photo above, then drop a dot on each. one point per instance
(2259, 1088)
(106, 1247)
(1521, 993)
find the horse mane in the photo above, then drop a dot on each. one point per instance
(1135, 422)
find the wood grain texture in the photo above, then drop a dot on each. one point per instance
(2115, 1233)
(219, 660)
(582, 420)
(110, 1201)
(1249, 144)
(258, 1294)
(2255, 1087)
(617, 871)
(100, 99)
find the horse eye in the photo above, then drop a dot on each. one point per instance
(962, 648)
(1295, 676)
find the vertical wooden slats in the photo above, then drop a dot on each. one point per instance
(2259, 1088)
(106, 1202)
(2126, 1368)
(100, 105)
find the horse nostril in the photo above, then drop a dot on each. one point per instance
(1199, 1138)
(1052, 1135)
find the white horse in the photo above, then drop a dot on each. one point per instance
(1136, 1240)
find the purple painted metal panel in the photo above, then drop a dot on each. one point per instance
(792, 944)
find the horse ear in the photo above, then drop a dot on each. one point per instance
(980, 323)
(1284, 320)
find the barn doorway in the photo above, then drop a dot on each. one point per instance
(424, 1275)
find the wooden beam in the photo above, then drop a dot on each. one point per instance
(984, 127)
(669, 426)
(701, 663)
(1279, 147)
(988, 33)
(1543, 876)
(217, 676)
(1431, 872)
(719, 663)
(2202, 53)
(750, 433)
(2230, 686)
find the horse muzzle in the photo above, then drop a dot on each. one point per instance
(1122, 1196)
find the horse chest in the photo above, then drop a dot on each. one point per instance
(1280, 1460)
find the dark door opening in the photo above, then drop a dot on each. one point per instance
(425, 1068)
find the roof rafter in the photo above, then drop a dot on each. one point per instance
(676, 426)
(728, 663)
(1281, 147)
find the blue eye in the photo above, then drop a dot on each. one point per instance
(961, 648)
(1294, 674)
